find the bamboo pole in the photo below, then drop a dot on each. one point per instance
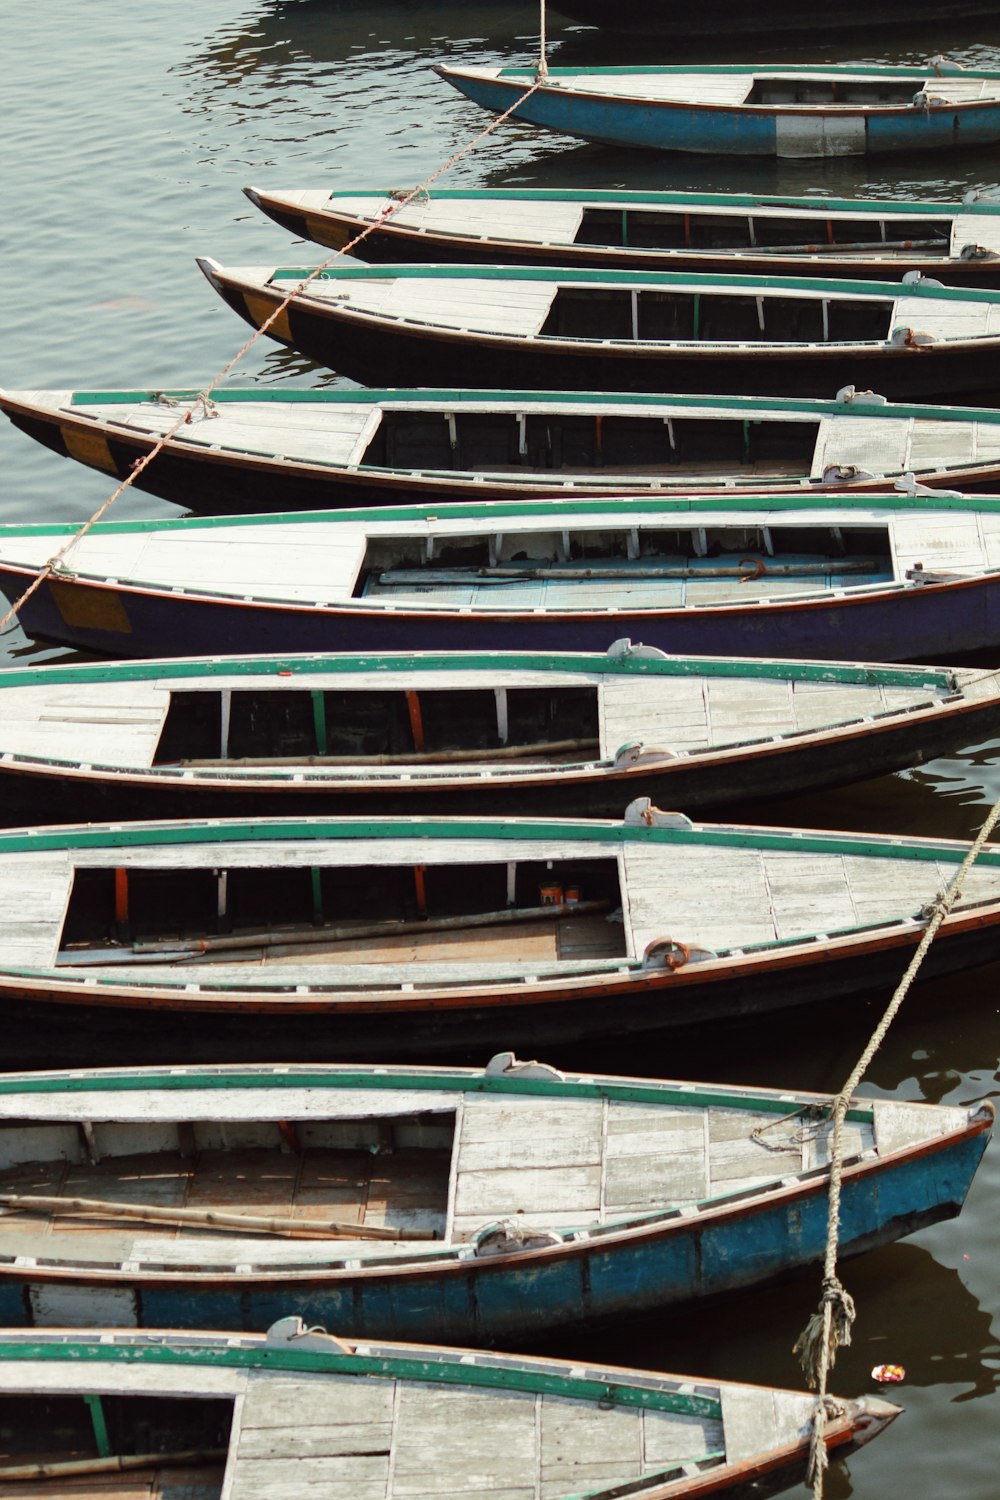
(424, 757)
(313, 936)
(516, 574)
(203, 1217)
(114, 1464)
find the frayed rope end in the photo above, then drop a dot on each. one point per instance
(817, 1348)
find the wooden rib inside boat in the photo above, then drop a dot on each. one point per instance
(715, 317)
(266, 725)
(693, 229)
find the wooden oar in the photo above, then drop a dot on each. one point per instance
(96, 1208)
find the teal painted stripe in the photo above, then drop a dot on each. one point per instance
(758, 70)
(150, 1082)
(472, 399)
(586, 664)
(544, 831)
(397, 1367)
(771, 286)
(621, 512)
(874, 207)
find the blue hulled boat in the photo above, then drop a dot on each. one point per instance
(842, 577)
(783, 110)
(439, 1204)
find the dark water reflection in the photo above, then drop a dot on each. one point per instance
(126, 148)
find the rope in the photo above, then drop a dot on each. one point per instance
(400, 201)
(830, 1327)
(542, 71)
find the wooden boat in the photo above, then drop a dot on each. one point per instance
(892, 578)
(779, 110)
(638, 331)
(280, 448)
(461, 1205)
(958, 243)
(340, 938)
(777, 18)
(295, 1412)
(519, 732)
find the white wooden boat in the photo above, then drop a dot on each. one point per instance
(628, 330)
(271, 939)
(289, 449)
(450, 732)
(449, 1205)
(295, 1412)
(957, 242)
(779, 109)
(891, 577)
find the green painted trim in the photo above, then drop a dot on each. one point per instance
(861, 207)
(771, 286)
(150, 1082)
(757, 70)
(566, 831)
(82, 1352)
(619, 513)
(100, 1426)
(473, 399)
(938, 679)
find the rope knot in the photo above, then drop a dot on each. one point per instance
(828, 1330)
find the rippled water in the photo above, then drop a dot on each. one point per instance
(129, 132)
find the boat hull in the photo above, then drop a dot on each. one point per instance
(29, 795)
(730, 131)
(400, 243)
(939, 621)
(381, 353)
(493, 1300)
(144, 1025)
(775, 18)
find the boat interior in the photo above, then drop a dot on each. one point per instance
(594, 312)
(494, 442)
(676, 229)
(543, 910)
(832, 91)
(264, 725)
(636, 566)
(173, 1448)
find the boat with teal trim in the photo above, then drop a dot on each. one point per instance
(769, 109)
(838, 577)
(278, 448)
(631, 331)
(460, 1205)
(612, 228)
(283, 1415)
(365, 937)
(521, 732)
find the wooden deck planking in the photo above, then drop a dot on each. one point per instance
(974, 229)
(944, 320)
(938, 445)
(34, 891)
(809, 893)
(114, 723)
(690, 898)
(950, 543)
(877, 445)
(527, 220)
(694, 88)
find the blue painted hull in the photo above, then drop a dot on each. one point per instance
(944, 621)
(727, 131)
(494, 1300)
